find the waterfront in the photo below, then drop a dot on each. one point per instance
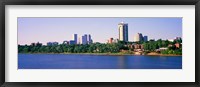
(80, 61)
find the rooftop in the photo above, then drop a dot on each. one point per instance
(122, 23)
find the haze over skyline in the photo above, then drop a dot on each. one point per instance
(45, 30)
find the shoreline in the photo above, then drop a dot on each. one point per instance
(109, 54)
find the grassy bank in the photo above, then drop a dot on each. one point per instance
(158, 54)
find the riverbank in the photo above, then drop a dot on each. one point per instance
(157, 54)
(111, 54)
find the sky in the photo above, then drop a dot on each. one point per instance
(45, 30)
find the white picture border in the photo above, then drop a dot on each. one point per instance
(186, 74)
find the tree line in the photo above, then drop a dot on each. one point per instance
(148, 46)
(79, 48)
(172, 49)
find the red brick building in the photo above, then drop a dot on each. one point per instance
(178, 45)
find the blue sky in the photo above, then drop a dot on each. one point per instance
(59, 29)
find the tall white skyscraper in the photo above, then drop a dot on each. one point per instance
(123, 31)
(80, 40)
(137, 37)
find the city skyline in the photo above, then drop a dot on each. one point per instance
(45, 30)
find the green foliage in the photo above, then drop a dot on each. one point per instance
(153, 45)
(88, 48)
(148, 46)
(176, 52)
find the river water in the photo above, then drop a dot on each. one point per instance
(81, 61)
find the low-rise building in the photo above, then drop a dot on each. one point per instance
(112, 40)
(152, 40)
(178, 45)
(170, 45)
(71, 42)
(52, 43)
(33, 44)
(36, 44)
(161, 49)
(138, 46)
(130, 46)
(66, 42)
(171, 40)
(177, 38)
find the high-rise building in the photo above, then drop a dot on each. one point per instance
(89, 39)
(84, 39)
(138, 37)
(141, 37)
(123, 31)
(145, 38)
(75, 38)
(80, 40)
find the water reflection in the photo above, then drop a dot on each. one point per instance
(63, 61)
(121, 62)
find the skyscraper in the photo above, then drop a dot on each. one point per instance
(145, 38)
(123, 31)
(80, 40)
(84, 39)
(89, 39)
(141, 37)
(138, 37)
(75, 38)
